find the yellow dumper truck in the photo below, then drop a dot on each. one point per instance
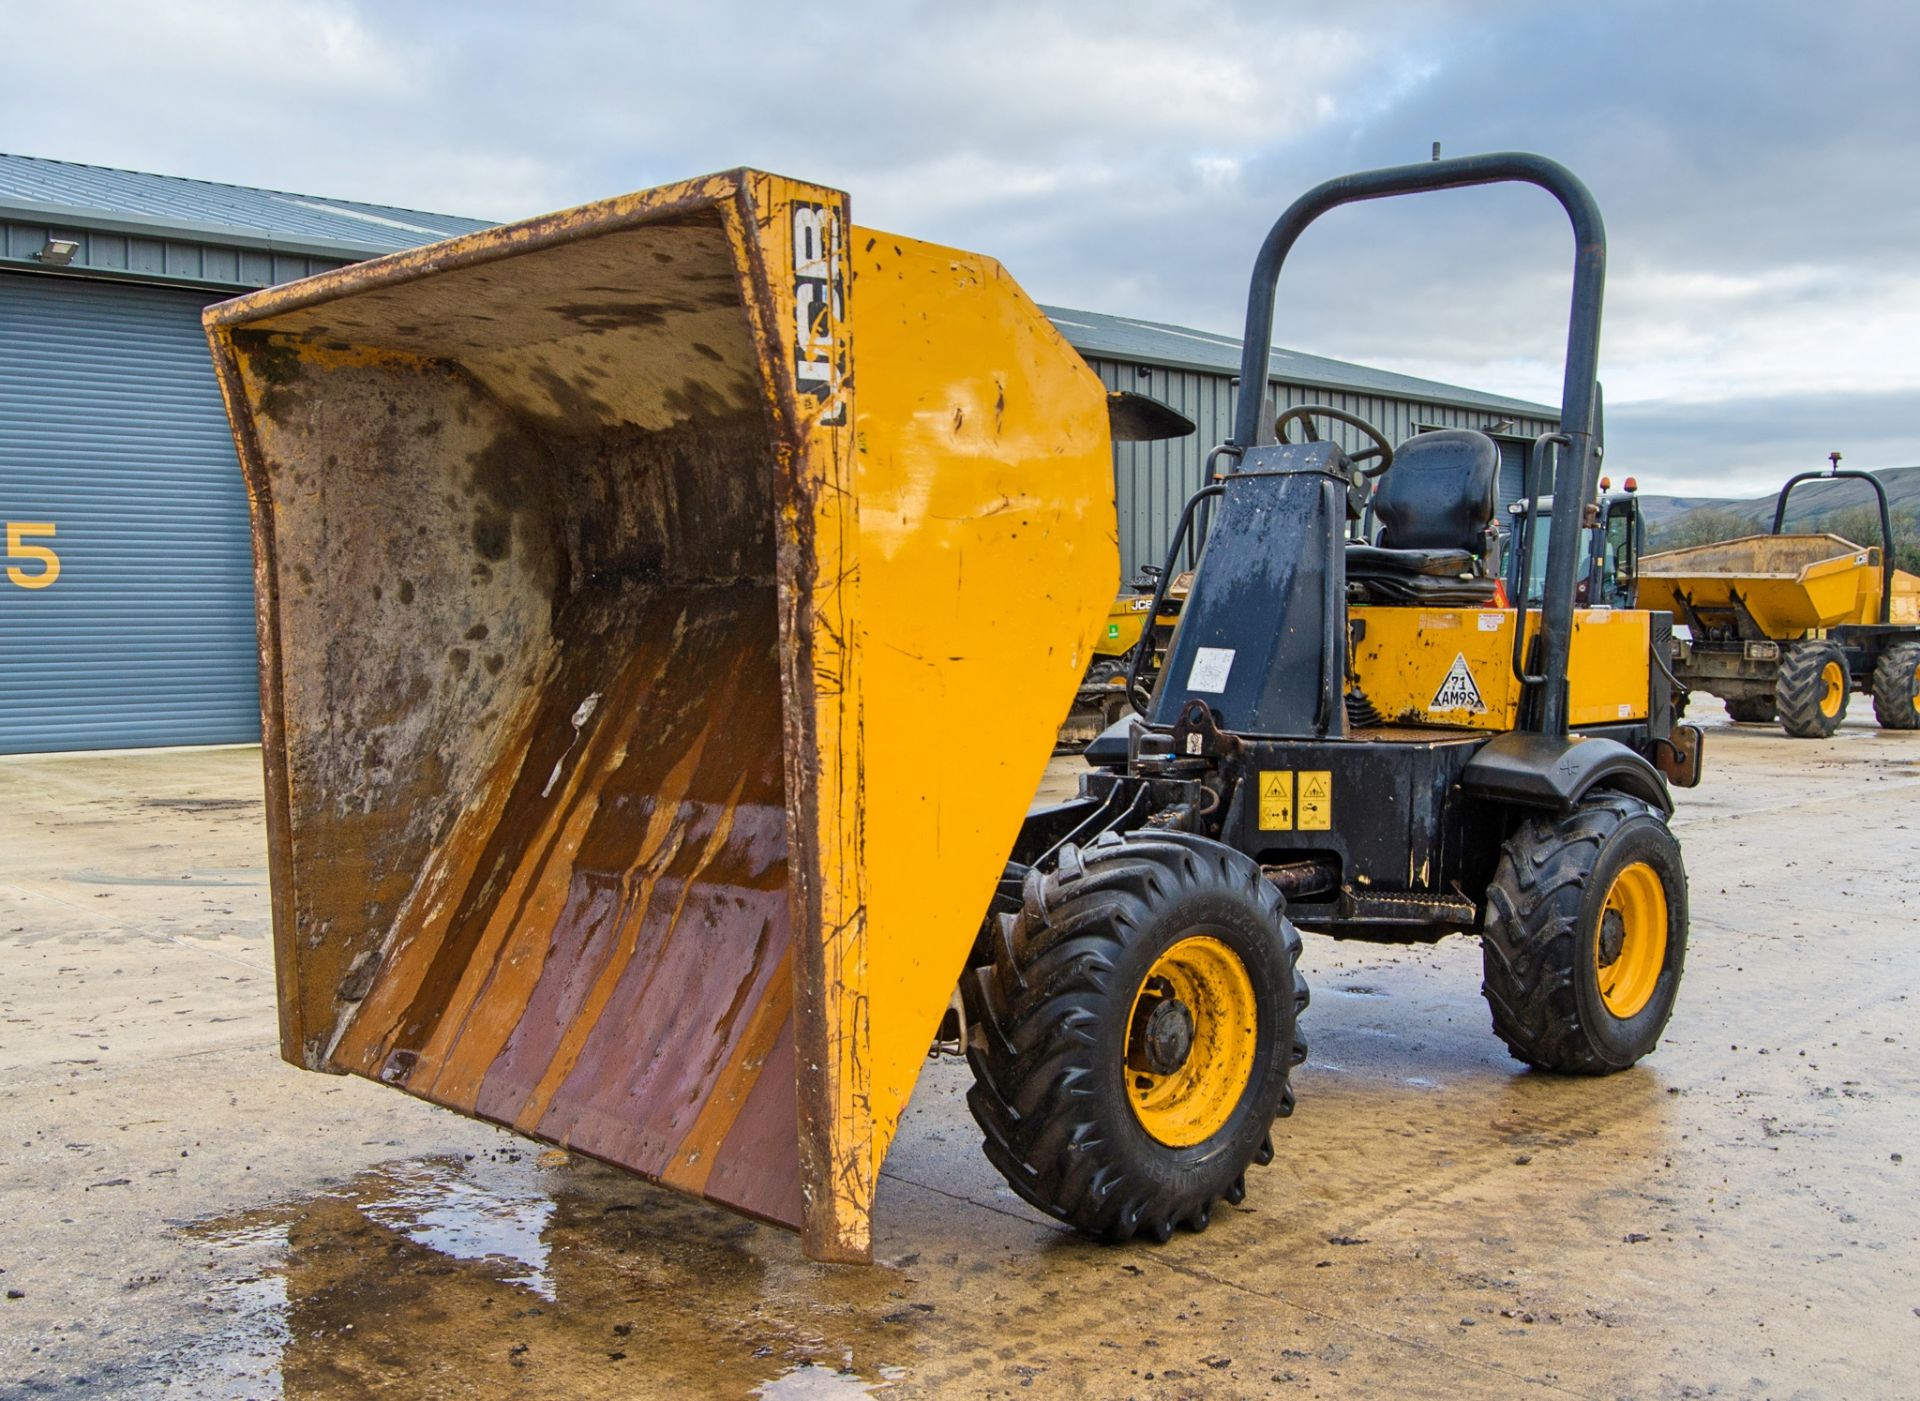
(1787, 626)
(595, 558)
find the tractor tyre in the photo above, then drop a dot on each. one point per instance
(1810, 691)
(1134, 1032)
(1896, 687)
(1585, 936)
(1752, 710)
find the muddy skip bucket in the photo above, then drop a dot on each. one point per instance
(665, 610)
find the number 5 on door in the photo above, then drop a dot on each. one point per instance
(18, 548)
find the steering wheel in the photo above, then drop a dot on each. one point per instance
(1304, 414)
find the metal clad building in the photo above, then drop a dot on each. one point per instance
(126, 596)
(1197, 373)
(126, 613)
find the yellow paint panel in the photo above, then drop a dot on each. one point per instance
(1276, 800)
(1316, 800)
(1126, 620)
(1791, 584)
(1608, 672)
(1454, 667)
(986, 566)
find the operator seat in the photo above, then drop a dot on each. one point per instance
(1435, 506)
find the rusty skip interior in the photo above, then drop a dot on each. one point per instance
(518, 564)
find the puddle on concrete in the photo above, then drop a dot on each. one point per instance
(230, 875)
(811, 1380)
(530, 1275)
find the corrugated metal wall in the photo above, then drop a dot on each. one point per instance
(112, 431)
(1152, 481)
(161, 260)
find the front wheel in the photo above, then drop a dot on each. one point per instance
(1134, 1031)
(1585, 936)
(1896, 687)
(1810, 690)
(1751, 710)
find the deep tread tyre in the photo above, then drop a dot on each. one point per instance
(1752, 710)
(1896, 687)
(1801, 689)
(1543, 927)
(1053, 1013)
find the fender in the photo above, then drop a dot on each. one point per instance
(1540, 771)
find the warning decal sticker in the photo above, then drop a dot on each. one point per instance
(1459, 691)
(1210, 668)
(1276, 800)
(1316, 800)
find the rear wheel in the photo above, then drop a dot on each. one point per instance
(1811, 690)
(1135, 1030)
(1751, 710)
(1585, 936)
(1896, 687)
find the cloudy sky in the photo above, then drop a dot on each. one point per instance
(1756, 163)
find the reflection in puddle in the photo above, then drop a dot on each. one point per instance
(453, 1216)
(504, 1274)
(810, 1379)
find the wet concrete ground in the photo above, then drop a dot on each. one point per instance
(183, 1214)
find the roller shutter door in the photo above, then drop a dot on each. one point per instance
(1513, 473)
(112, 433)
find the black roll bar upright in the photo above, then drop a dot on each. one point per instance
(1834, 473)
(1579, 468)
(1144, 647)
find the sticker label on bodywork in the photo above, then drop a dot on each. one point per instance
(1491, 622)
(1210, 668)
(1276, 800)
(1459, 691)
(1316, 800)
(819, 306)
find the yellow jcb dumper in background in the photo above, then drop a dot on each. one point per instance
(594, 556)
(1785, 626)
(1101, 701)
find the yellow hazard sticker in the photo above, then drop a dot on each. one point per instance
(1316, 800)
(1276, 800)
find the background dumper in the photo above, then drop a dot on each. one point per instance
(1786, 626)
(595, 562)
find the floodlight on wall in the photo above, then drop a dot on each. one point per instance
(58, 252)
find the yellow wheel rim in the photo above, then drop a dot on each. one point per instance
(1916, 689)
(1631, 948)
(1833, 678)
(1191, 1039)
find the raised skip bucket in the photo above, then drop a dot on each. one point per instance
(665, 610)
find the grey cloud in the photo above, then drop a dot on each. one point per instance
(1127, 156)
(1754, 444)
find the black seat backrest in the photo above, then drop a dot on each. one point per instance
(1440, 493)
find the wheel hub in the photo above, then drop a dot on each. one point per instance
(1191, 1041)
(1613, 935)
(1630, 946)
(1167, 1037)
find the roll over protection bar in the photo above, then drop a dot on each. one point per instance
(1579, 466)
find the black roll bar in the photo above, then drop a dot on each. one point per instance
(1836, 473)
(1160, 585)
(1579, 466)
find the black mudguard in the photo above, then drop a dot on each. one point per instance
(1542, 772)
